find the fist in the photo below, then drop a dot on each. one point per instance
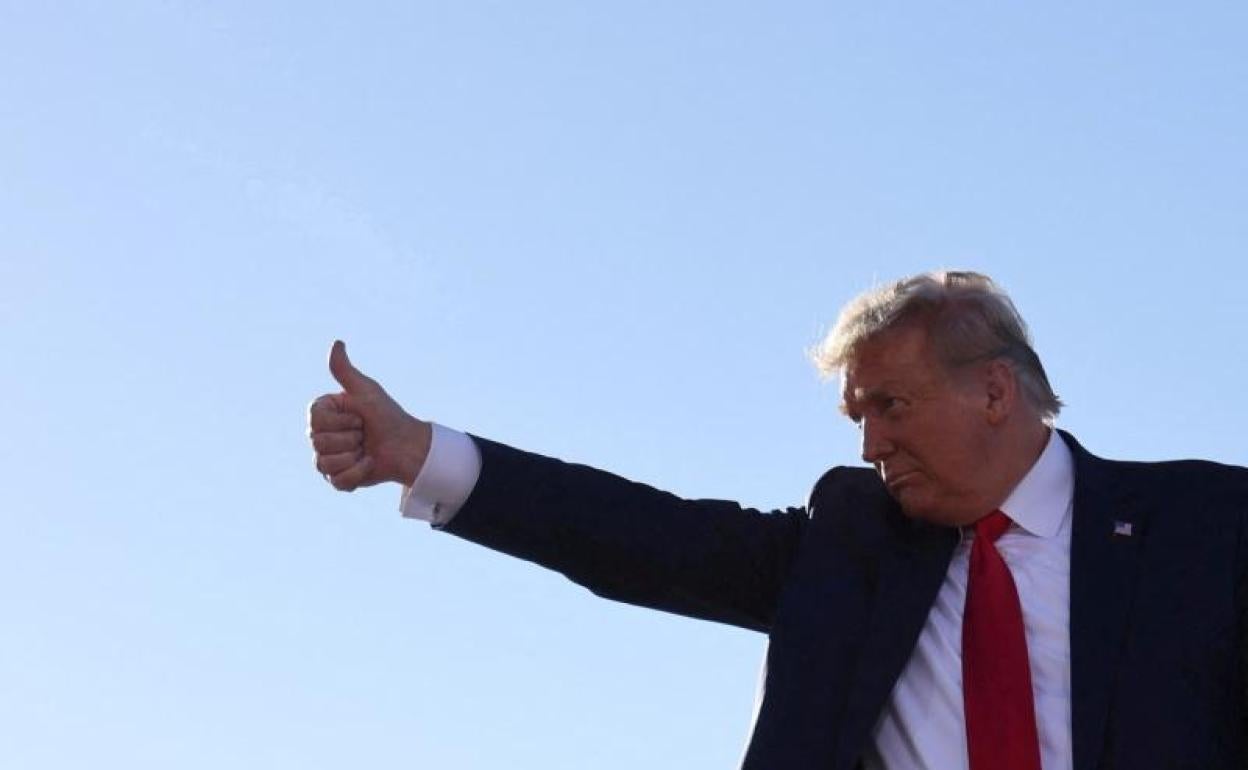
(361, 436)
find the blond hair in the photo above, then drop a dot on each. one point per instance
(967, 317)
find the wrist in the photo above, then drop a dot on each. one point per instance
(418, 438)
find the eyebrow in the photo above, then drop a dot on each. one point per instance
(862, 395)
(879, 391)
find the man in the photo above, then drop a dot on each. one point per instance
(991, 596)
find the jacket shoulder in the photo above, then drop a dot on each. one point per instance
(1182, 478)
(848, 491)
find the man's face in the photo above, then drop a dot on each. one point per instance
(925, 431)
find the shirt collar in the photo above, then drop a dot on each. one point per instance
(1041, 501)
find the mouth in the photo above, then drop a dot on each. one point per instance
(893, 482)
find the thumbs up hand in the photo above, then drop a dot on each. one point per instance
(361, 436)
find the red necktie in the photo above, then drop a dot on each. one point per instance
(996, 676)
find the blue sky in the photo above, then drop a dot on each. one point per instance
(603, 231)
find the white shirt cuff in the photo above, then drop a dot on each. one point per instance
(445, 480)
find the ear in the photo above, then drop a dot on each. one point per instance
(1001, 390)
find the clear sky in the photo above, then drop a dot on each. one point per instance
(604, 231)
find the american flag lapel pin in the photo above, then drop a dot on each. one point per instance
(1122, 529)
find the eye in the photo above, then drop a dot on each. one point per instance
(890, 406)
(849, 412)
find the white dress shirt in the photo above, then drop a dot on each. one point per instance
(923, 725)
(445, 480)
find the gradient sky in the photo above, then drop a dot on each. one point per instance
(604, 231)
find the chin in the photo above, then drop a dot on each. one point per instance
(917, 507)
(913, 505)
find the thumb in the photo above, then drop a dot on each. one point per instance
(351, 379)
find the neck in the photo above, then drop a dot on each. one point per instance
(1019, 452)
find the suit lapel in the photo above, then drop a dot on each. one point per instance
(911, 571)
(1107, 531)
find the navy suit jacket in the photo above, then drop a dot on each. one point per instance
(843, 587)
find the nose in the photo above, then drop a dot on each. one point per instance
(876, 444)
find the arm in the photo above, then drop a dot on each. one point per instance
(708, 559)
(622, 540)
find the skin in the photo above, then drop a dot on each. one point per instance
(361, 436)
(949, 444)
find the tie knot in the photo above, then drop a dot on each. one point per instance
(992, 525)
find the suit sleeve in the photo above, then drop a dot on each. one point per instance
(707, 559)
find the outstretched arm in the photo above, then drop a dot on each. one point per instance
(623, 540)
(708, 559)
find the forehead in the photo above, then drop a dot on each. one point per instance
(899, 359)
